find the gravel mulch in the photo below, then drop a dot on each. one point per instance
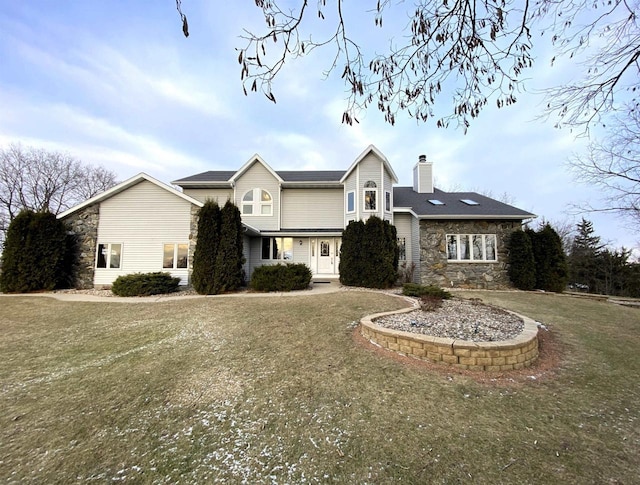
(458, 319)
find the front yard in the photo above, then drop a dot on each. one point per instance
(276, 390)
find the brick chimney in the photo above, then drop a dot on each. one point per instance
(423, 176)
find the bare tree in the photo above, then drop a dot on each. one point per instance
(470, 52)
(612, 164)
(43, 180)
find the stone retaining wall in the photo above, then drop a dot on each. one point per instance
(505, 355)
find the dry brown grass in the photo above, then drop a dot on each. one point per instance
(276, 390)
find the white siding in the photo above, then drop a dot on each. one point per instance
(257, 176)
(408, 227)
(351, 185)
(300, 253)
(219, 195)
(312, 208)
(142, 218)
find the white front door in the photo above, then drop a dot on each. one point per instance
(328, 255)
(325, 256)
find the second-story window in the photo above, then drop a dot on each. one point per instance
(370, 196)
(257, 202)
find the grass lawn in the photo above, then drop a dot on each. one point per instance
(276, 390)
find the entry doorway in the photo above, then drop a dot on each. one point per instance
(325, 256)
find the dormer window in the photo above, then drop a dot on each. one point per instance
(257, 202)
(370, 196)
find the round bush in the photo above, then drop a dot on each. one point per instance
(281, 277)
(145, 284)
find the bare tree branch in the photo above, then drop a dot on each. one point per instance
(612, 165)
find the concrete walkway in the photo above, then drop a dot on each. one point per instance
(319, 287)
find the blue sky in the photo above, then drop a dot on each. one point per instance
(117, 84)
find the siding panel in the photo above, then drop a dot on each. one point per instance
(142, 218)
(312, 208)
(219, 195)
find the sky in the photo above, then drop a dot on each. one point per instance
(117, 84)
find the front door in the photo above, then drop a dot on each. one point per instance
(325, 256)
(328, 256)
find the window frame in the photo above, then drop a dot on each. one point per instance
(175, 259)
(387, 201)
(402, 248)
(256, 204)
(273, 251)
(370, 187)
(351, 197)
(466, 248)
(107, 261)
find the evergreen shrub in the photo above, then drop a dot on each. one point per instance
(38, 254)
(281, 277)
(145, 284)
(522, 266)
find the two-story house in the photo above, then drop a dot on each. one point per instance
(450, 239)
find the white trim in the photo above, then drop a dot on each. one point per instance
(136, 179)
(379, 154)
(255, 159)
(347, 211)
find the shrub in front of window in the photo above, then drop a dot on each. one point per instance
(418, 291)
(522, 267)
(203, 276)
(369, 254)
(281, 277)
(145, 284)
(229, 275)
(38, 254)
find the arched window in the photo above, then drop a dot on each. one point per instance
(370, 196)
(257, 202)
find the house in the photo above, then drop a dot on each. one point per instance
(447, 238)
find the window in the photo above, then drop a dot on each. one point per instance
(370, 196)
(351, 201)
(471, 247)
(469, 201)
(402, 249)
(387, 201)
(277, 248)
(109, 255)
(175, 256)
(435, 202)
(257, 202)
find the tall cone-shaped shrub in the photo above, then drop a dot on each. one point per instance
(522, 266)
(229, 275)
(203, 277)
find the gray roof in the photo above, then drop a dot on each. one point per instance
(453, 207)
(210, 176)
(302, 176)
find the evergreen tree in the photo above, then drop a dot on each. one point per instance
(37, 253)
(203, 277)
(550, 259)
(522, 266)
(229, 260)
(351, 264)
(584, 256)
(369, 255)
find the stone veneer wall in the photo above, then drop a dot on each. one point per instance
(436, 270)
(193, 237)
(84, 225)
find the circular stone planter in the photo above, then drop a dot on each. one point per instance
(515, 353)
